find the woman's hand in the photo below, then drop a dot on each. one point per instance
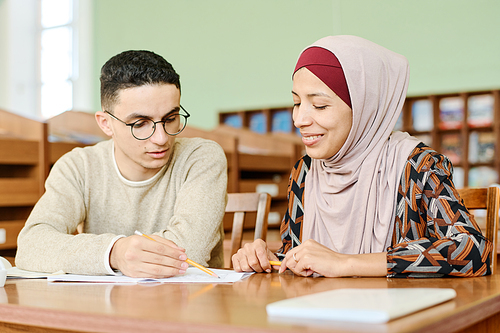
(253, 256)
(311, 257)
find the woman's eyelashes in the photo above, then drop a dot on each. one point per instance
(317, 107)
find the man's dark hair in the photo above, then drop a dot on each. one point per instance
(134, 69)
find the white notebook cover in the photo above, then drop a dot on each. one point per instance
(361, 305)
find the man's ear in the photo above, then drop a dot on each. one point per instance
(103, 122)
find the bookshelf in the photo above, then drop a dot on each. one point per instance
(464, 126)
(23, 169)
(28, 148)
(269, 120)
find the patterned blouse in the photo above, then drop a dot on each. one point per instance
(434, 233)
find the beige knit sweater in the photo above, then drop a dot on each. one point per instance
(184, 203)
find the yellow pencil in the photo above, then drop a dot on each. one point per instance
(206, 270)
(275, 263)
(189, 261)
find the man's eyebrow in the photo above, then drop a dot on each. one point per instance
(136, 115)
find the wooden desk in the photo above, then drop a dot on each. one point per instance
(35, 305)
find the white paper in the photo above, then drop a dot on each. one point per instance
(360, 305)
(192, 275)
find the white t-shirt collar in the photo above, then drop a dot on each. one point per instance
(130, 182)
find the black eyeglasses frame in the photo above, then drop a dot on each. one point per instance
(131, 125)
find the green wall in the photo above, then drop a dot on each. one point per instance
(230, 54)
(234, 55)
(452, 45)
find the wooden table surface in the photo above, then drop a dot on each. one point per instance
(38, 306)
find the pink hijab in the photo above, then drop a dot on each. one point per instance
(350, 198)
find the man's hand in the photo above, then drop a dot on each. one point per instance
(138, 256)
(253, 257)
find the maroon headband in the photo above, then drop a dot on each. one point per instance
(325, 65)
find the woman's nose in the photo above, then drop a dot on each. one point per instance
(301, 116)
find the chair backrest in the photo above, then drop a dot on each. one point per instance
(488, 199)
(242, 203)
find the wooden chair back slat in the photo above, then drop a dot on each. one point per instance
(242, 203)
(488, 199)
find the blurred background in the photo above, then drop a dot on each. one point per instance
(231, 55)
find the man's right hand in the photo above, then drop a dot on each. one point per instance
(138, 256)
(254, 256)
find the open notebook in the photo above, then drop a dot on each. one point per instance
(361, 305)
(192, 275)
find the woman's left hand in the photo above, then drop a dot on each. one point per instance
(311, 257)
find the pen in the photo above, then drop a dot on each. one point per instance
(189, 261)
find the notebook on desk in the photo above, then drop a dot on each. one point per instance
(192, 275)
(360, 305)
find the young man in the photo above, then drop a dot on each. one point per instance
(142, 179)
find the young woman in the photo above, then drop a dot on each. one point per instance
(364, 200)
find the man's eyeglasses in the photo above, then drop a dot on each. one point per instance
(143, 129)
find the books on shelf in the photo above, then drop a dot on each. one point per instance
(451, 112)
(481, 147)
(281, 121)
(233, 120)
(257, 123)
(458, 175)
(451, 146)
(482, 176)
(421, 112)
(480, 110)
(461, 125)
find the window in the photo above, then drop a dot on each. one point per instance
(58, 68)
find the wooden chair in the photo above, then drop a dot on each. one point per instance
(488, 199)
(240, 204)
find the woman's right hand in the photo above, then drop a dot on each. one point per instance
(254, 256)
